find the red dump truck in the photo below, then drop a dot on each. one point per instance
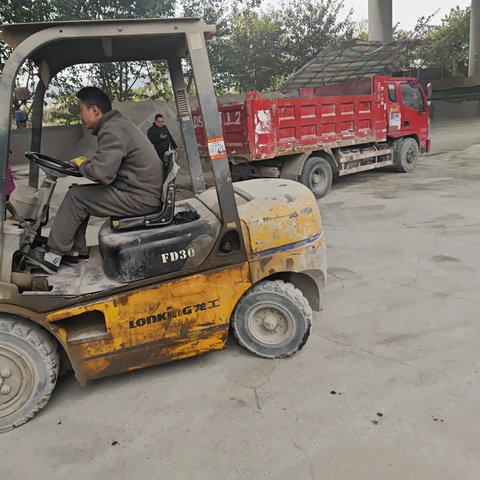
(324, 132)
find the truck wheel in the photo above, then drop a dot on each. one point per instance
(29, 362)
(406, 155)
(317, 176)
(273, 319)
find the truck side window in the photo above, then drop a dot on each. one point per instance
(392, 93)
(411, 96)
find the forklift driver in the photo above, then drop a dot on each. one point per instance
(128, 176)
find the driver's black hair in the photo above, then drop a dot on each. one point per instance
(91, 96)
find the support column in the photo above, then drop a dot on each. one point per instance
(380, 14)
(474, 49)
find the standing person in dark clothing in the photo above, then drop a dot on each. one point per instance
(160, 136)
(128, 176)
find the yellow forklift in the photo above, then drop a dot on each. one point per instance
(153, 290)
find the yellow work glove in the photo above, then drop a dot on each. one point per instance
(78, 161)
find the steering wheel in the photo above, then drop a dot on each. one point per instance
(50, 163)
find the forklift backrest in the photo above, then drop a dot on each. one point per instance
(170, 170)
(165, 215)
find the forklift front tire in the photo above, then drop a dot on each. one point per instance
(29, 362)
(272, 320)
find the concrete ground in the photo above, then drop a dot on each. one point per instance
(387, 387)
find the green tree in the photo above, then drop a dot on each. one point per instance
(258, 49)
(253, 49)
(414, 39)
(446, 45)
(360, 29)
(120, 80)
(104, 9)
(308, 26)
(252, 56)
(63, 108)
(158, 86)
(21, 12)
(220, 14)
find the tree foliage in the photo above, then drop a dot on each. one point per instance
(119, 80)
(63, 109)
(256, 48)
(446, 45)
(252, 55)
(263, 48)
(308, 26)
(221, 14)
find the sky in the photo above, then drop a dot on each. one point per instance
(406, 12)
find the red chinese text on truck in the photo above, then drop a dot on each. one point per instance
(326, 131)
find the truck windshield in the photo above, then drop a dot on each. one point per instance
(412, 96)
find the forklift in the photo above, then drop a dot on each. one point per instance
(251, 257)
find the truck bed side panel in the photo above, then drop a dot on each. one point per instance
(300, 124)
(236, 130)
(275, 127)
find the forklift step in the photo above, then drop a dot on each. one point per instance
(89, 327)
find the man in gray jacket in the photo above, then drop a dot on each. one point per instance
(128, 176)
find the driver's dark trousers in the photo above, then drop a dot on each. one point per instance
(68, 231)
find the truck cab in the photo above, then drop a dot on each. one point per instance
(407, 108)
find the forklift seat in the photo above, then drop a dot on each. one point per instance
(133, 255)
(165, 215)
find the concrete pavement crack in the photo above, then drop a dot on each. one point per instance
(256, 387)
(418, 271)
(338, 278)
(408, 285)
(385, 294)
(385, 358)
(353, 348)
(306, 455)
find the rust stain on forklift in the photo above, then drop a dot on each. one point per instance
(282, 226)
(140, 331)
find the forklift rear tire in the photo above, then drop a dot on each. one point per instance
(29, 362)
(407, 153)
(272, 320)
(317, 176)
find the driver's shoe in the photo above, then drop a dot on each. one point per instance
(37, 257)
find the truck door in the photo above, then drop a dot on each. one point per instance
(394, 109)
(414, 112)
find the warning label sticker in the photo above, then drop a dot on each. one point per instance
(395, 117)
(216, 148)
